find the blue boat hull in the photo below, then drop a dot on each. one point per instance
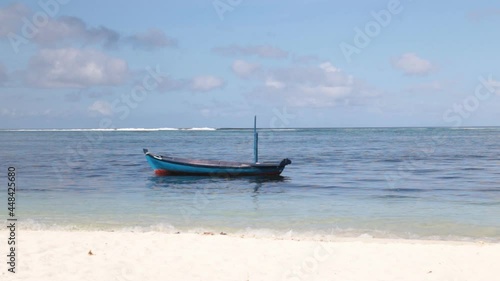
(164, 165)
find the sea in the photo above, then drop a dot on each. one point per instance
(409, 183)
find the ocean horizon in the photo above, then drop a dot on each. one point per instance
(139, 129)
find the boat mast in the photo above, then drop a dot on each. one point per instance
(255, 140)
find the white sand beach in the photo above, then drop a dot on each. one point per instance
(58, 255)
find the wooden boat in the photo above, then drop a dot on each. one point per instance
(167, 165)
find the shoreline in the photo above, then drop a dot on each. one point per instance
(283, 234)
(105, 255)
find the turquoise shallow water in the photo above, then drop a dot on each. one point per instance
(437, 183)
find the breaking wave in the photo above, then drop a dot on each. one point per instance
(112, 130)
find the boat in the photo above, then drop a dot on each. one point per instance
(169, 165)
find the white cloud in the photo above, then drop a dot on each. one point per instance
(328, 90)
(101, 108)
(492, 85)
(263, 51)
(328, 67)
(244, 69)
(206, 83)
(153, 38)
(273, 83)
(411, 64)
(323, 85)
(74, 68)
(11, 18)
(66, 30)
(321, 96)
(54, 30)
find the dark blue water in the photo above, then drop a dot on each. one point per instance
(441, 183)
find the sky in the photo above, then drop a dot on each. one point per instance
(217, 63)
